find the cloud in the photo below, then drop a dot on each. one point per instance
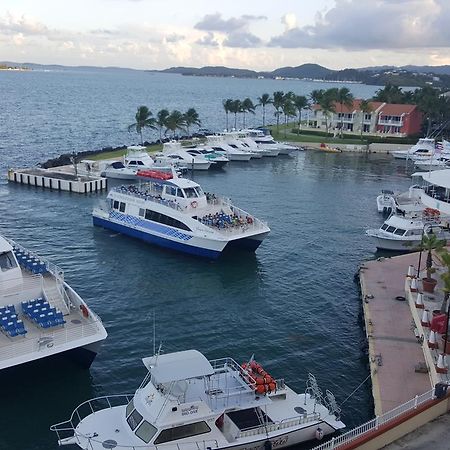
(289, 20)
(368, 24)
(208, 40)
(242, 39)
(174, 38)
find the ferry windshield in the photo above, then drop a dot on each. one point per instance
(7, 261)
(190, 192)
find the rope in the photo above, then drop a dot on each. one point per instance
(368, 376)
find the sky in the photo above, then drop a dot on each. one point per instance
(252, 34)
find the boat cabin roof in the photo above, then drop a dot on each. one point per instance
(178, 366)
(5, 246)
(437, 177)
(182, 182)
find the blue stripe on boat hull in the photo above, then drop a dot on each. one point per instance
(152, 239)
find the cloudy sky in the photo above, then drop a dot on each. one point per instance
(256, 34)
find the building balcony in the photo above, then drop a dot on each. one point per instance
(395, 123)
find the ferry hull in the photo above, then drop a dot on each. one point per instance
(157, 240)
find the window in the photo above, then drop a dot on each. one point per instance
(122, 207)
(132, 163)
(190, 192)
(134, 419)
(165, 220)
(141, 212)
(116, 204)
(384, 226)
(7, 261)
(390, 229)
(180, 193)
(184, 431)
(170, 190)
(140, 163)
(130, 407)
(399, 232)
(367, 116)
(145, 431)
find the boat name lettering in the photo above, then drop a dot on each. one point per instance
(275, 443)
(191, 410)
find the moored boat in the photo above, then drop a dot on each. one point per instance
(41, 316)
(188, 402)
(175, 213)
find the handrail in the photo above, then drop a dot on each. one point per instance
(375, 423)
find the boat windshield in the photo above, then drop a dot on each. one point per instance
(190, 193)
(7, 261)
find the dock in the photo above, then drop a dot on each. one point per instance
(58, 179)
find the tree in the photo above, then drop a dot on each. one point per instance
(389, 94)
(278, 99)
(365, 108)
(247, 106)
(429, 243)
(263, 101)
(143, 119)
(300, 103)
(160, 121)
(288, 108)
(316, 95)
(344, 97)
(175, 121)
(445, 258)
(191, 117)
(327, 102)
(227, 105)
(235, 108)
(428, 101)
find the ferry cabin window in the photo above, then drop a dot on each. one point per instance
(165, 220)
(384, 226)
(145, 431)
(184, 431)
(141, 212)
(134, 419)
(180, 193)
(122, 207)
(7, 261)
(190, 192)
(170, 190)
(130, 407)
(116, 204)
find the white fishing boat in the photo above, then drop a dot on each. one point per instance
(433, 163)
(218, 144)
(219, 161)
(175, 213)
(235, 140)
(404, 232)
(267, 142)
(174, 153)
(137, 158)
(386, 202)
(425, 147)
(186, 402)
(41, 316)
(118, 171)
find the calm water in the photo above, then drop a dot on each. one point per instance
(294, 304)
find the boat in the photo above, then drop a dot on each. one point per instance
(218, 144)
(425, 147)
(326, 148)
(187, 402)
(41, 316)
(177, 214)
(267, 142)
(404, 232)
(235, 140)
(433, 163)
(386, 202)
(118, 171)
(174, 153)
(219, 161)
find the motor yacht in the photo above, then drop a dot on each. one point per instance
(433, 163)
(175, 213)
(173, 153)
(41, 316)
(425, 147)
(188, 402)
(218, 144)
(234, 140)
(266, 141)
(219, 160)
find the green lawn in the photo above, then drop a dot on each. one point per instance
(120, 153)
(291, 137)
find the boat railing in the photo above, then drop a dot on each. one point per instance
(21, 289)
(281, 425)
(68, 434)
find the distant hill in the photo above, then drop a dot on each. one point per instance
(437, 70)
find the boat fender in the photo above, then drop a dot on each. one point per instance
(194, 204)
(84, 311)
(319, 434)
(267, 445)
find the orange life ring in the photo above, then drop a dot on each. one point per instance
(84, 311)
(194, 204)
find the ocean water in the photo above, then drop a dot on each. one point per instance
(294, 304)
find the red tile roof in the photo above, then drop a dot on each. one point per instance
(346, 109)
(393, 109)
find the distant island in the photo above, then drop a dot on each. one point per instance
(8, 67)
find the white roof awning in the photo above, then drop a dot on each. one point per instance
(436, 177)
(178, 366)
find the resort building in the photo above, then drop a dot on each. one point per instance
(383, 118)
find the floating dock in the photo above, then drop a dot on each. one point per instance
(58, 179)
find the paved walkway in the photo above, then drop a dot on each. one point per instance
(394, 350)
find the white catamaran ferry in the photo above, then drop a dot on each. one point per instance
(40, 314)
(186, 402)
(175, 213)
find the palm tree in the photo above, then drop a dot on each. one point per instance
(144, 119)
(365, 108)
(227, 105)
(300, 103)
(160, 121)
(278, 99)
(191, 118)
(175, 121)
(389, 94)
(344, 97)
(263, 101)
(288, 108)
(327, 103)
(445, 258)
(235, 108)
(247, 106)
(316, 95)
(429, 243)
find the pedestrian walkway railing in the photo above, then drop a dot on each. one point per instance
(374, 424)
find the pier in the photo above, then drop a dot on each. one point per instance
(60, 179)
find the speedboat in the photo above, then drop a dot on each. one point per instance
(175, 213)
(233, 139)
(404, 232)
(425, 147)
(117, 170)
(188, 402)
(40, 314)
(267, 142)
(219, 161)
(386, 202)
(218, 144)
(173, 153)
